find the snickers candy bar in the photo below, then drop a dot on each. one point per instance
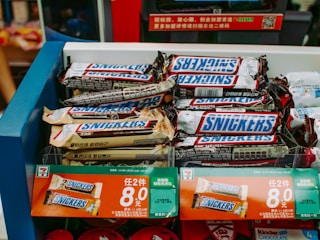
(85, 204)
(207, 187)
(227, 123)
(238, 208)
(99, 81)
(262, 103)
(111, 96)
(60, 183)
(182, 64)
(104, 67)
(120, 133)
(227, 140)
(67, 115)
(112, 128)
(199, 85)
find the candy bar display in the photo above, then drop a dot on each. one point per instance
(174, 146)
(219, 112)
(202, 97)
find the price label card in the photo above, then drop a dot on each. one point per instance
(105, 192)
(251, 193)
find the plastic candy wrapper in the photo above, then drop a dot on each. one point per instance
(67, 115)
(305, 88)
(219, 104)
(117, 133)
(118, 95)
(99, 81)
(186, 64)
(200, 123)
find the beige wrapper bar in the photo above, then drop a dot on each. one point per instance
(68, 115)
(61, 183)
(159, 152)
(119, 163)
(85, 204)
(206, 186)
(69, 135)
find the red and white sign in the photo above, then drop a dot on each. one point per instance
(214, 22)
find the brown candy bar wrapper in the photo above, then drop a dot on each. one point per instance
(238, 208)
(84, 204)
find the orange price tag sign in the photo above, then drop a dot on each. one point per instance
(105, 192)
(238, 194)
(127, 196)
(274, 198)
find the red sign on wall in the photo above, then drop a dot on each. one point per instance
(214, 22)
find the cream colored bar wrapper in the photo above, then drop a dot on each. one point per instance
(103, 67)
(67, 115)
(132, 133)
(60, 183)
(85, 204)
(147, 119)
(159, 152)
(122, 163)
(117, 95)
(206, 186)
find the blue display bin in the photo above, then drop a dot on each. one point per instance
(20, 138)
(23, 133)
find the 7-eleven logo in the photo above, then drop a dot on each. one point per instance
(42, 171)
(187, 174)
